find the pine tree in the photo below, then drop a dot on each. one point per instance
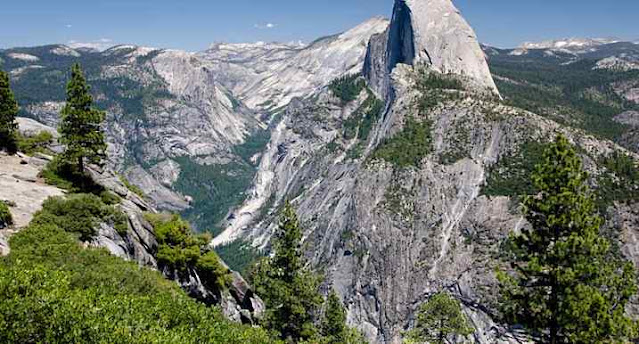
(289, 290)
(439, 319)
(81, 124)
(565, 284)
(334, 327)
(8, 112)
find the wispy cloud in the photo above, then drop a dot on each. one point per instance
(265, 26)
(68, 26)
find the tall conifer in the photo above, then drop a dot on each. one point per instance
(290, 291)
(81, 123)
(8, 112)
(565, 284)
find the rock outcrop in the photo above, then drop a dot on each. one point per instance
(139, 244)
(430, 32)
(24, 191)
(269, 76)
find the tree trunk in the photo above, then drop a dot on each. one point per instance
(81, 165)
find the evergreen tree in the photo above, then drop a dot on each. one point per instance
(566, 285)
(334, 328)
(289, 290)
(439, 319)
(80, 127)
(8, 112)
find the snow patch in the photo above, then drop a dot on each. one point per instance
(24, 57)
(63, 50)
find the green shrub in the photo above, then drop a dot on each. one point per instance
(54, 291)
(347, 88)
(109, 198)
(409, 146)
(5, 215)
(66, 176)
(213, 273)
(180, 250)
(80, 214)
(34, 144)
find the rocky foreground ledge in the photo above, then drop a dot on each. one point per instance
(24, 191)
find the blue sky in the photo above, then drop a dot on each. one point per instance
(195, 24)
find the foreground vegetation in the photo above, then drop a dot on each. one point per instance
(8, 112)
(55, 291)
(291, 292)
(565, 284)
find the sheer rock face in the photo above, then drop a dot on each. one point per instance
(430, 32)
(388, 237)
(442, 38)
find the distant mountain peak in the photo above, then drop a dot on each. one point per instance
(435, 33)
(569, 43)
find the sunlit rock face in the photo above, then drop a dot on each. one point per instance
(430, 32)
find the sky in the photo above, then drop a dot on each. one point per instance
(194, 25)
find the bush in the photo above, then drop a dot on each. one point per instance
(80, 214)
(34, 144)
(54, 291)
(408, 147)
(5, 215)
(109, 198)
(67, 176)
(180, 250)
(213, 273)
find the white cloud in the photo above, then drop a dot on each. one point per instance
(68, 26)
(265, 26)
